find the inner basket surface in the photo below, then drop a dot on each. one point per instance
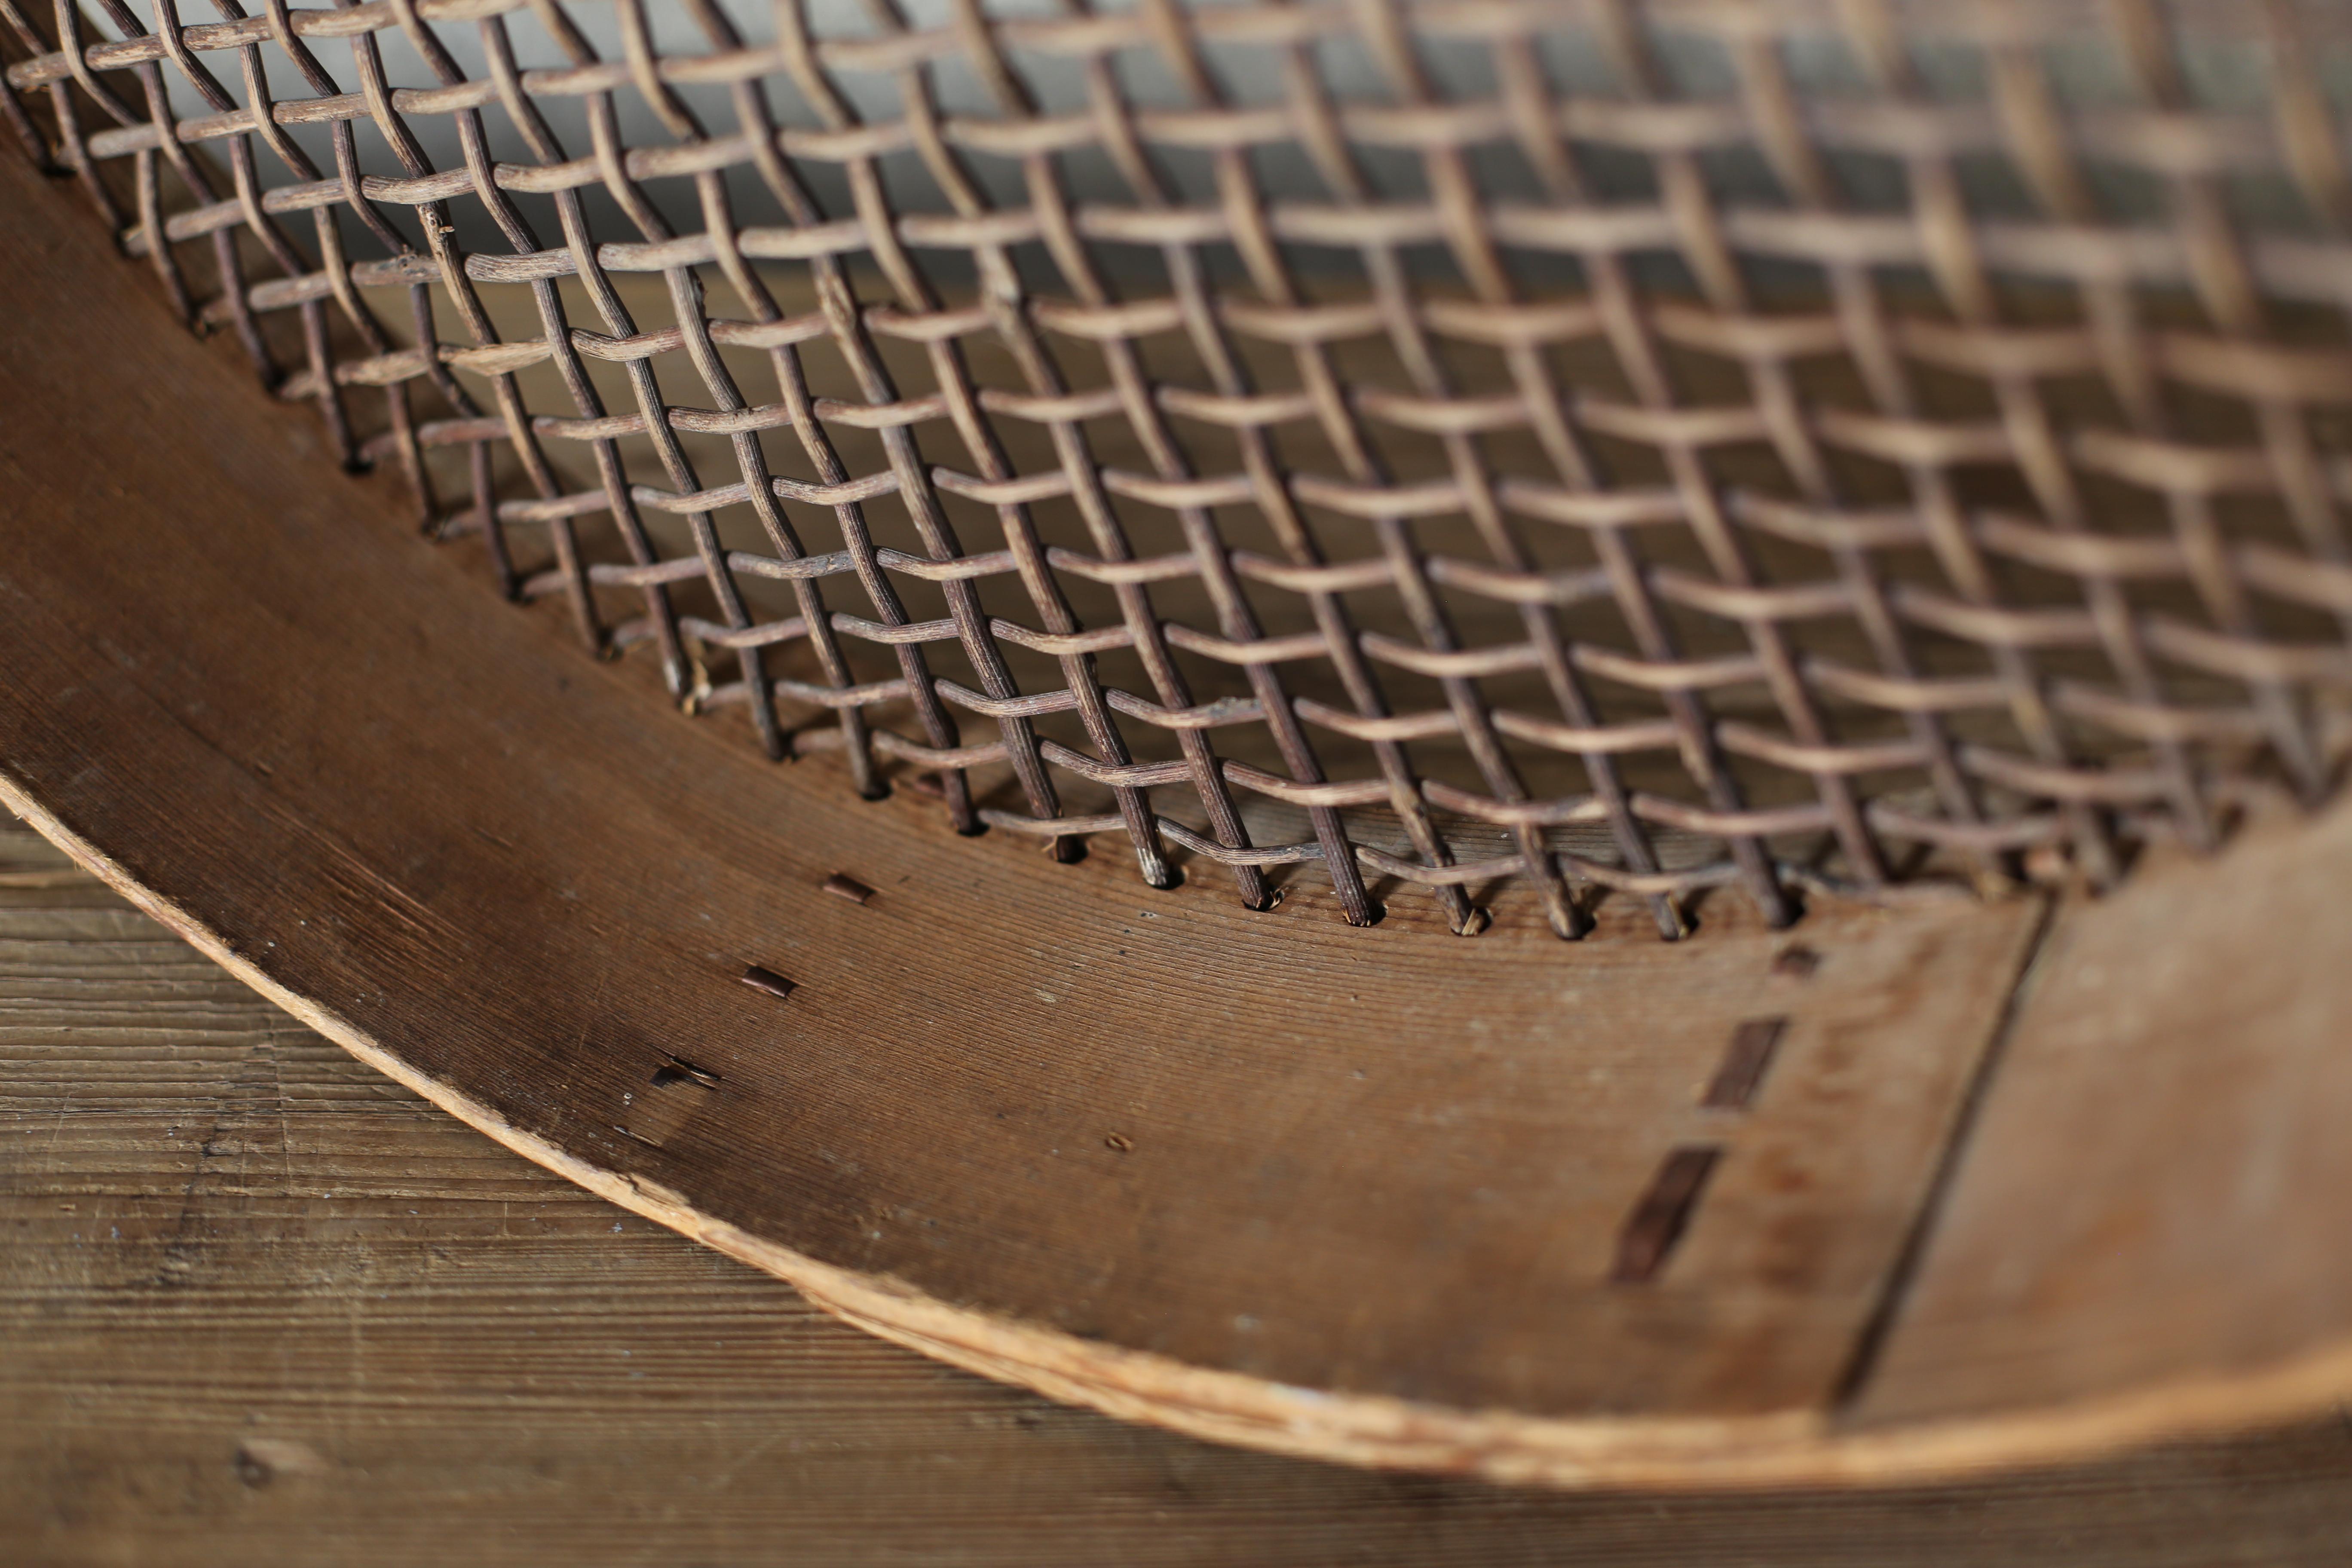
(1495, 447)
(1523, 469)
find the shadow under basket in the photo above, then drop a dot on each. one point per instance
(1558, 740)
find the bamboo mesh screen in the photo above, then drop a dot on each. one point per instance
(1572, 447)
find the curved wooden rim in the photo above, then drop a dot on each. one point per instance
(1780, 1450)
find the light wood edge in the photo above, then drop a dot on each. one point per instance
(1792, 1448)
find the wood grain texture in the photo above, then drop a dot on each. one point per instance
(2189, 1190)
(262, 1306)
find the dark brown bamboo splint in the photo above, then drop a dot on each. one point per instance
(1855, 491)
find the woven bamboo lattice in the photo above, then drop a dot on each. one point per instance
(1573, 444)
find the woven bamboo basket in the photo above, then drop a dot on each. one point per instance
(1587, 739)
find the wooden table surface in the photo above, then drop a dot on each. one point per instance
(259, 1305)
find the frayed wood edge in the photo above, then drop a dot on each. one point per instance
(1800, 1447)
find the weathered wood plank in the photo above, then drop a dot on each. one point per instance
(2175, 1130)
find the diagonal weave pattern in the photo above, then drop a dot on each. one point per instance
(1579, 443)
